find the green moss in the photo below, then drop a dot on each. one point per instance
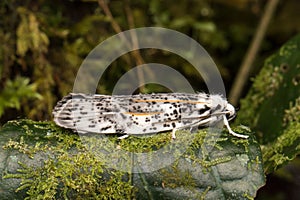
(286, 146)
(284, 149)
(94, 166)
(248, 197)
(174, 177)
(143, 144)
(202, 196)
(69, 171)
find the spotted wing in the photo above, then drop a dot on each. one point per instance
(136, 114)
(87, 113)
(151, 113)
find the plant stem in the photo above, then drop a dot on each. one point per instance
(246, 66)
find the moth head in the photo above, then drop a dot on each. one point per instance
(230, 112)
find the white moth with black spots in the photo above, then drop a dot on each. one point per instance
(142, 113)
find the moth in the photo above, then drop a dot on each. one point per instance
(142, 113)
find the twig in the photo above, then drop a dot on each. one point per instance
(246, 66)
(135, 54)
(107, 12)
(114, 23)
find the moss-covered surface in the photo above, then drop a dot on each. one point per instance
(272, 106)
(42, 161)
(52, 163)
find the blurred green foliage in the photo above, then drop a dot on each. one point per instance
(46, 41)
(13, 92)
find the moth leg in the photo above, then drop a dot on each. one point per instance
(123, 137)
(193, 129)
(173, 133)
(231, 131)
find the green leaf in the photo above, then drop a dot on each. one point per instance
(272, 106)
(29, 35)
(230, 170)
(15, 91)
(43, 160)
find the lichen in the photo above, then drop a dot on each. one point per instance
(264, 87)
(292, 114)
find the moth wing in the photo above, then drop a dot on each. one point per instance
(161, 112)
(86, 113)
